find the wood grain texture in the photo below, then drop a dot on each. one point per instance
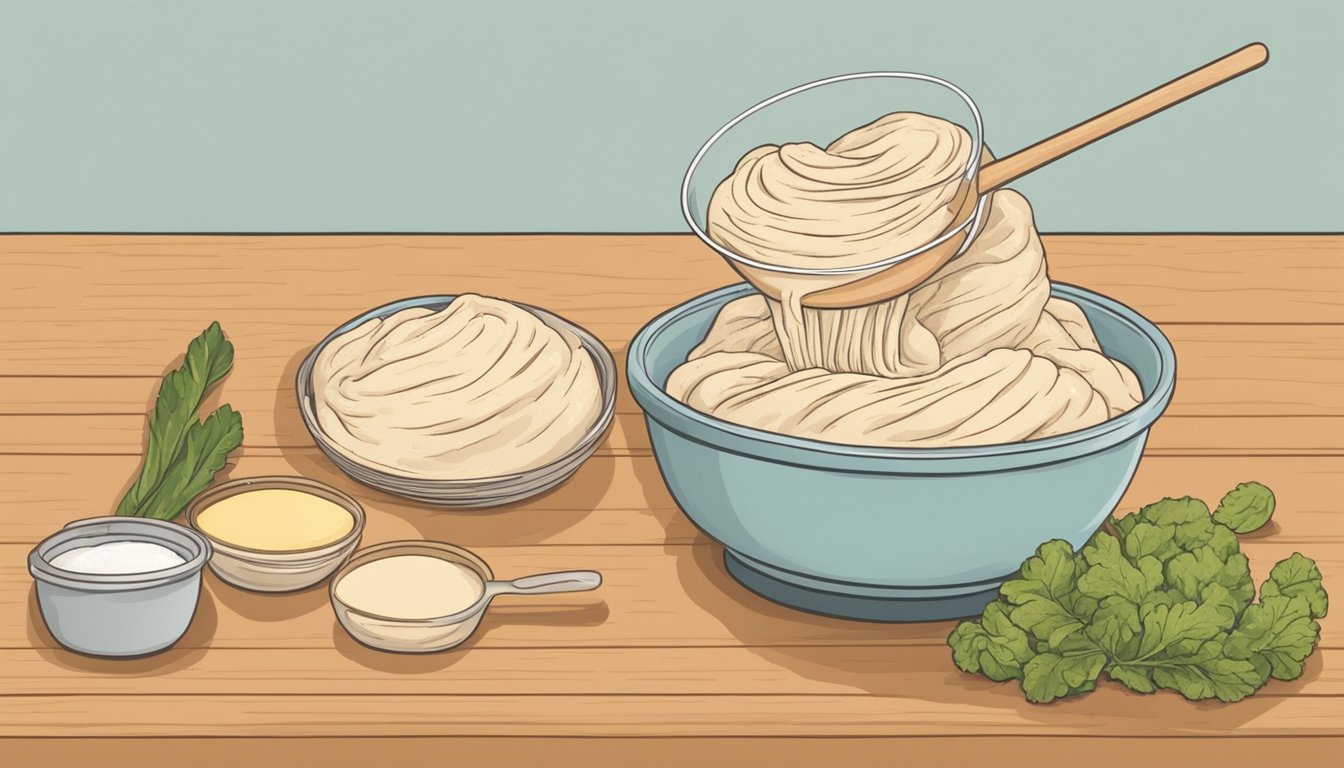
(678, 752)
(697, 715)
(343, 671)
(671, 662)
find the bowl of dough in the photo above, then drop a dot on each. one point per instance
(458, 401)
(895, 461)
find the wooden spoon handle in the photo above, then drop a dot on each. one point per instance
(1024, 161)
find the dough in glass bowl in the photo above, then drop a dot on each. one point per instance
(483, 388)
(977, 354)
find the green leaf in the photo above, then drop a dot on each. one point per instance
(1190, 572)
(1110, 573)
(1135, 678)
(1050, 675)
(1167, 598)
(1173, 512)
(1276, 635)
(1125, 525)
(1046, 620)
(1206, 673)
(1080, 605)
(208, 358)
(1050, 573)
(1148, 540)
(1297, 576)
(1194, 534)
(1166, 625)
(1041, 598)
(1182, 645)
(206, 450)
(1223, 542)
(1115, 627)
(1245, 508)
(993, 646)
(1216, 596)
(1186, 521)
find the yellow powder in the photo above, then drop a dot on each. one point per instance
(276, 520)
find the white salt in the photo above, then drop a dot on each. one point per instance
(118, 557)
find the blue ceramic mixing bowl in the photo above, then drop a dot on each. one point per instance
(890, 534)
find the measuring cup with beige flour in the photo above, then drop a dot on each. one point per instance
(426, 596)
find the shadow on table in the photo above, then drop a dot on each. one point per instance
(912, 662)
(183, 654)
(1269, 529)
(269, 606)
(529, 522)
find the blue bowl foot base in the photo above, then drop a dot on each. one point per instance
(849, 606)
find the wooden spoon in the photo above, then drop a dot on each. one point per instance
(901, 277)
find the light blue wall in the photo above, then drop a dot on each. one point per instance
(220, 115)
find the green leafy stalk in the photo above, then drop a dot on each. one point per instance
(207, 448)
(1160, 599)
(174, 419)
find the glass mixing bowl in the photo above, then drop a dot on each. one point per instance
(819, 112)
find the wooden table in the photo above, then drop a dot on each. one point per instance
(671, 662)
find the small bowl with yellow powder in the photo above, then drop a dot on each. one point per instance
(277, 533)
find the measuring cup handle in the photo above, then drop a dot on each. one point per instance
(561, 581)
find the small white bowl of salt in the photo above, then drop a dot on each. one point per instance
(119, 586)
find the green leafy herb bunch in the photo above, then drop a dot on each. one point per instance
(1162, 598)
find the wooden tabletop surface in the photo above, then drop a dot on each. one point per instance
(671, 661)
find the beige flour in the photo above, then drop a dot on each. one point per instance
(411, 587)
(480, 389)
(979, 353)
